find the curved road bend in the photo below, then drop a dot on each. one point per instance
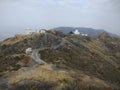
(36, 56)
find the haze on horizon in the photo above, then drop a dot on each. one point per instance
(16, 15)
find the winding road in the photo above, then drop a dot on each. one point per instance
(36, 55)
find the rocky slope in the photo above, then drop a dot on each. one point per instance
(77, 62)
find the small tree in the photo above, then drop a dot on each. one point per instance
(71, 32)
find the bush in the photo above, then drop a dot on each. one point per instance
(16, 67)
(34, 85)
(76, 85)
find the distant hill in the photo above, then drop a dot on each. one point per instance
(90, 31)
(1, 38)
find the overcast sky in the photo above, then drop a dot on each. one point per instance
(16, 15)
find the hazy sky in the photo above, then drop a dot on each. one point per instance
(16, 15)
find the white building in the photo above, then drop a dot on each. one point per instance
(28, 51)
(76, 32)
(28, 31)
(84, 35)
(42, 31)
(37, 31)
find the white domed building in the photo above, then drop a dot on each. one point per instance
(76, 32)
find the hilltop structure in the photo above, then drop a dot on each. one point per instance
(42, 31)
(84, 35)
(76, 32)
(29, 31)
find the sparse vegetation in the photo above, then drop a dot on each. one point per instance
(77, 85)
(16, 67)
(98, 57)
(32, 85)
(10, 62)
(40, 74)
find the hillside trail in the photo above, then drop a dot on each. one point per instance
(37, 57)
(36, 61)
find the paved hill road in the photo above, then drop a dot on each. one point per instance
(36, 55)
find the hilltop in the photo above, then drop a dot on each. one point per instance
(73, 62)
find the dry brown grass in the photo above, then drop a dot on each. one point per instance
(43, 74)
(13, 40)
(26, 61)
(95, 46)
(16, 39)
(93, 81)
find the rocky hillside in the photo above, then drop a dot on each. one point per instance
(74, 62)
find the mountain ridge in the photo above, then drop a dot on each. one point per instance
(90, 31)
(93, 62)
